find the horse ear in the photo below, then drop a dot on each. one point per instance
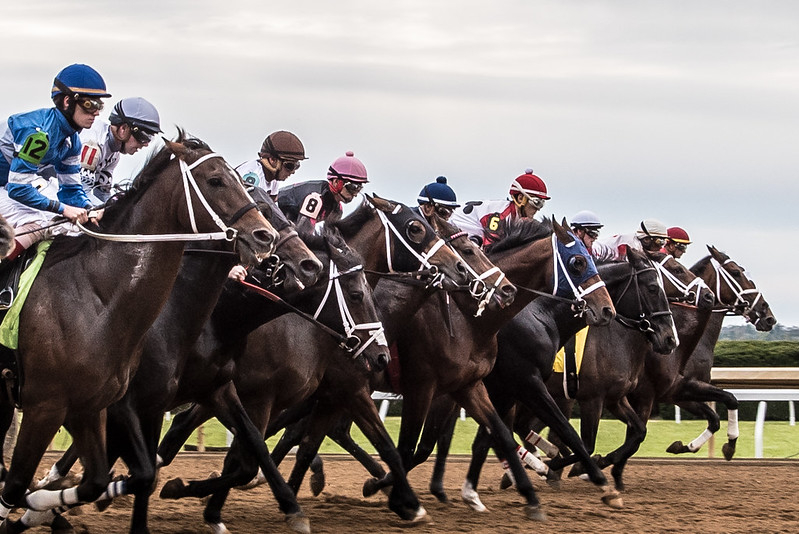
(178, 149)
(561, 231)
(564, 223)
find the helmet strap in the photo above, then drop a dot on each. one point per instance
(269, 169)
(336, 185)
(69, 111)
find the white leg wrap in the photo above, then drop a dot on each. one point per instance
(531, 460)
(42, 500)
(159, 462)
(115, 489)
(732, 424)
(51, 476)
(470, 497)
(4, 509)
(696, 444)
(218, 528)
(539, 441)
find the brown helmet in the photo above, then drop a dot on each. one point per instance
(283, 145)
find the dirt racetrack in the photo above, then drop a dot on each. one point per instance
(741, 496)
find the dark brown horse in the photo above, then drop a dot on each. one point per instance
(173, 371)
(440, 358)
(684, 378)
(613, 361)
(392, 237)
(6, 238)
(93, 302)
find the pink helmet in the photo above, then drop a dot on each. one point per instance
(348, 168)
(530, 185)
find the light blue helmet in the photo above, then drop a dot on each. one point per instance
(79, 79)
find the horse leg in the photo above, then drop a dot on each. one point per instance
(701, 392)
(316, 426)
(590, 414)
(442, 434)
(60, 469)
(476, 402)
(635, 435)
(7, 440)
(402, 500)
(340, 433)
(140, 457)
(183, 424)
(35, 433)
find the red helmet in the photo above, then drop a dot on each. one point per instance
(678, 235)
(530, 185)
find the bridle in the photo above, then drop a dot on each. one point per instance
(478, 289)
(644, 321)
(690, 292)
(741, 306)
(227, 233)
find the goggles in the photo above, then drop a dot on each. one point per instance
(444, 212)
(140, 135)
(290, 165)
(90, 104)
(593, 233)
(536, 202)
(353, 187)
(681, 246)
(659, 241)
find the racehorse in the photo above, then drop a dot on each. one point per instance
(394, 238)
(93, 301)
(526, 352)
(455, 364)
(686, 380)
(171, 373)
(613, 361)
(342, 391)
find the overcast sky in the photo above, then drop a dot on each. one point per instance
(685, 111)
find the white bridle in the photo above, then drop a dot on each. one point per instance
(697, 282)
(557, 260)
(736, 288)
(376, 331)
(424, 259)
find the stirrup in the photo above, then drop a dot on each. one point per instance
(6, 298)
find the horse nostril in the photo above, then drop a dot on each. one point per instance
(311, 267)
(609, 313)
(264, 236)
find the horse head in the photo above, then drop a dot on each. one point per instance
(735, 290)
(348, 306)
(208, 180)
(408, 241)
(292, 263)
(654, 315)
(681, 284)
(578, 278)
(489, 286)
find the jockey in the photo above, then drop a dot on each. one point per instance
(586, 226)
(132, 125)
(437, 197)
(650, 237)
(279, 157)
(480, 219)
(309, 203)
(30, 142)
(677, 242)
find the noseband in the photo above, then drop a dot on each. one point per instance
(644, 321)
(741, 306)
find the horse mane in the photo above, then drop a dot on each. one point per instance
(518, 232)
(330, 242)
(353, 222)
(120, 208)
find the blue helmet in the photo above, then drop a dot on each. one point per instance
(439, 193)
(81, 80)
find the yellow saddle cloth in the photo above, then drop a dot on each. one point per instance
(579, 348)
(9, 329)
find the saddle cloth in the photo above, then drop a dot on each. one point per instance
(9, 328)
(558, 365)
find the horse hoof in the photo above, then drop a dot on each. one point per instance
(576, 471)
(299, 523)
(728, 449)
(505, 482)
(173, 489)
(677, 448)
(317, 483)
(534, 512)
(370, 487)
(612, 498)
(11, 527)
(218, 528)
(102, 506)
(470, 497)
(440, 494)
(60, 525)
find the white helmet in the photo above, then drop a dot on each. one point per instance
(586, 219)
(652, 228)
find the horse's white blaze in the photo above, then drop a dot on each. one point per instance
(470, 497)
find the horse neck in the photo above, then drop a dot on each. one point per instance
(369, 241)
(691, 323)
(559, 318)
(397, 302)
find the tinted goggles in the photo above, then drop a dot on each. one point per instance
(290, 165)
(353, 187)
(593, 233)
(681, 246)
(140, 135)
(444, 212)
(90, 104)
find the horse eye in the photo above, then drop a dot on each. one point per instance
(216, 182)
(577, 264)
(415, 232)
(356, 296)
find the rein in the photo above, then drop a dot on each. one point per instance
(228, 233)
(478, 289)
(688, 294)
